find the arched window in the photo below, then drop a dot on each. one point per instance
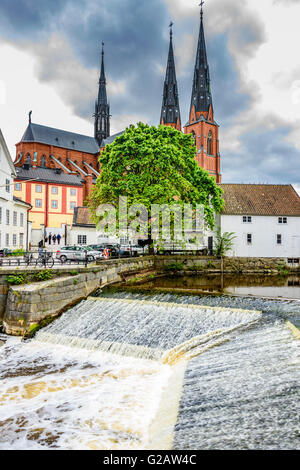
(28, 159)
(43, 161)
(209, 143)
(35, 156)
(194, 137)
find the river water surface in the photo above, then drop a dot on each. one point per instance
(138, 371)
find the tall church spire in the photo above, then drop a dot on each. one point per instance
(201, 92)
(201, 123)
(102, 111)
(170, 111)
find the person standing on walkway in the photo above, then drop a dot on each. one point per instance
(54, 239)
(50, 238)
(58, 238)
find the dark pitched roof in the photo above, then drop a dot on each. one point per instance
(170, 111)
(60, 138)
(261, 199)
(48, 175)
(111, 139)
(82, 217)
(20, 201)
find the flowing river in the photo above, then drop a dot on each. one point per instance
(136, 371)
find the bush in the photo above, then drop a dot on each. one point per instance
(43, 275)
(18, 252)
(16, 279)
(173, 267)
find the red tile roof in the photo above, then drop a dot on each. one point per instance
(261, 199)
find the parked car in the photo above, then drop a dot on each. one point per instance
(77, 253)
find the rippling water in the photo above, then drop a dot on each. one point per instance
(134, 371)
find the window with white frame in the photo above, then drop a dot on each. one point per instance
(0, 215)
(7, 239)
(15, 218)
(14, 239)
(249, 238)
(21, 240)
(38, 203)
(279, 239)
(7, 185)
(18, 186)
(72, 205)
(247, 219)
(22, 219)
(7, 216)
(282, 220)
(38, 188)
(54, 204)
(81, 239)
(0, 240)
(54, 190)
(73, 192)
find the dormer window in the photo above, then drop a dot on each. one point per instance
(247, 219)
(282, 220)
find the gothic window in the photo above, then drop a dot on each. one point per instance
(194, 137)
(43, 161)
(209, 143)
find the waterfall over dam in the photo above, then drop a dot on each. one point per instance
(134, 371)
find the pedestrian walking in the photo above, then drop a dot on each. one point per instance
(50, 238)
(54, 239)
(58, 238)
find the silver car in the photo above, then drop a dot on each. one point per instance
(77, 253)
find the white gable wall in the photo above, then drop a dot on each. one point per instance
(264, 230)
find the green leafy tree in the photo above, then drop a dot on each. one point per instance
(224, 242)
(151, 165)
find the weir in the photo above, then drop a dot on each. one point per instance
(134, 371)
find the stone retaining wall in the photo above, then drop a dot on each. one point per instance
(29, 304)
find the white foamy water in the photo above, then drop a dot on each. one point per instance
(120, 372)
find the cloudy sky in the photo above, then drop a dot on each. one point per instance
(50, 59)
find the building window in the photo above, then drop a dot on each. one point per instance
(0, 240)
(18, 186)
(15, 218)
(247, 219)
(249, 238)
(28, 159)
(279, 239)
(209, 143)
(73, 192)
(7, 186)
(0, 216)
(38, 188)
(7, 239)
(54, 190)
(38, 203)
(7, 217)
(282, 220)
(35, 156)
(14, 239)
(54, 204)
(81, 239)
(21, 240)
(72, 205)
(43, 161)
(22, 220)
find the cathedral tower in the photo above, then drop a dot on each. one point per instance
(170, 111)
(201, 121)
(102, 115)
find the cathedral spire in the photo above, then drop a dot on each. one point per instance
(201, 92)
(102, 111)
(170, 111)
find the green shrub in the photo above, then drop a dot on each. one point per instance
(43, 275)
(74, 273)
(16, 279)
(211, 265)
(18, 252)
(173, 267)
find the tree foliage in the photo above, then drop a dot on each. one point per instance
(224, 242)
(151, 165)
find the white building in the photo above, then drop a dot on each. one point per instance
(265, 220)
(14, 228)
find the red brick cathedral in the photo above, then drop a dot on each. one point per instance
(78, 155)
